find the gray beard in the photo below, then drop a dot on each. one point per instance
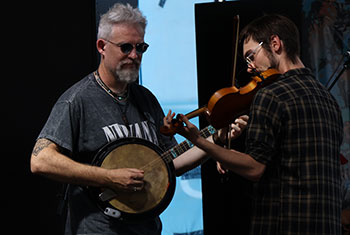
(127, 75)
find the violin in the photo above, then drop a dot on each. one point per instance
(226, 104)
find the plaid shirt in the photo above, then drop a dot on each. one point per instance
(295, 129)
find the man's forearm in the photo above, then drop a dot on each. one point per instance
(238, 162)
(47, 160)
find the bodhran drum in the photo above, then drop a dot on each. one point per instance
(159, 179)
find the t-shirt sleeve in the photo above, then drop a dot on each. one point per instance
(59, 126)
(264, 127)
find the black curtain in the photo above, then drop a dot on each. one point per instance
(49, 45)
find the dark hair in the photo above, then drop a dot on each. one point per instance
(261, 30)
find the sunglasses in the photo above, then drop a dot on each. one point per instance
(126, 48)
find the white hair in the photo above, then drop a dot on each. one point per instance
(120, 13)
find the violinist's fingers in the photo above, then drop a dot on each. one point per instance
(220, 168)
(189, 124)
(244, 117)
(235, 128)
(189, 131)
(184, 119)
(235, 131)
(242, 121)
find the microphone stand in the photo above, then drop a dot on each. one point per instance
(345, 66)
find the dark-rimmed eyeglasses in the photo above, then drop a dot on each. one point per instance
(250, 58)
(126, 48)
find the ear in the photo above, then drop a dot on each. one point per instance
(276, 44)
(100, 45)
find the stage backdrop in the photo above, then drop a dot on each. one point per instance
(325, 40)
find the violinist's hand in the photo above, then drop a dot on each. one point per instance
(189, 131)
(221, 169)
(236, 128)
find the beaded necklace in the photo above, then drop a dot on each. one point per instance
(119, 98)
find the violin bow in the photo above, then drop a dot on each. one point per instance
(235, 43)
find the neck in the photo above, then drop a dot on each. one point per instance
(286, 65)
(111, 81)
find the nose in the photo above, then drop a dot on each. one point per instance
(133, 54)
(251, 68)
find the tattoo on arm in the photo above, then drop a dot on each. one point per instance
(40, 145)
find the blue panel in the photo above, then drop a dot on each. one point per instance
(169, 71)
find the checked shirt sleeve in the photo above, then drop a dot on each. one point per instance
(264, 127)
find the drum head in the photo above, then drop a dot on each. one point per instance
(159, 178)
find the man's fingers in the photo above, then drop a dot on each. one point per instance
(184, 119)
(240, 122)
(244, 117)
(235, 127)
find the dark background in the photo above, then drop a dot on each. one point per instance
(48, 46)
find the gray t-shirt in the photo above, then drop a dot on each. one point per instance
(84, 119)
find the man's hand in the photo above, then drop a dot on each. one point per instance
(170, 125)
(47, 159)
(125, 179)
(189, 131)
(236, 129)
(220, 168)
